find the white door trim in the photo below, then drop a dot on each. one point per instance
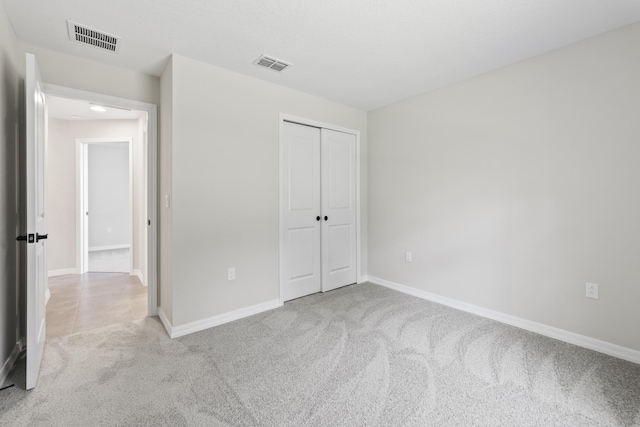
(152, 174)
(82, 244)
(309, 122)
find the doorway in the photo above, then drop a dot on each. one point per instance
(36, 155)
(107, 219)
(102, 265)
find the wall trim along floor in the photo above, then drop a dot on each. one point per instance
(62, 272)
(209, 322)
(108, 248)
(139, 275)
(539, 328)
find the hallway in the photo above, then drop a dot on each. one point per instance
(92, 300)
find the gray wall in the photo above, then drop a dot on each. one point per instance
(514, 188)
(108, 194)
(78, 73)
(225, 184)
(165, 171)
(60, 197)
(11, 76)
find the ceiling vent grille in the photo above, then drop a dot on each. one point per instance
(96, 38)
(271, 63)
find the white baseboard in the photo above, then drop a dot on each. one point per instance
(139, 275)
(47, 296)
(8, 364)
(539, 328)
(199, 325)
(165, 321)
(63, 272)
(363, 279)
(107, 248)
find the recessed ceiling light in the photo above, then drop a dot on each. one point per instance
(98, 108)
(110, 106)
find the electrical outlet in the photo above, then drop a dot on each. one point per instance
(407, 256)
(231, 275)
(591, 290)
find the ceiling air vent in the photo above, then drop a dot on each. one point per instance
(96, 38)
(271, 63)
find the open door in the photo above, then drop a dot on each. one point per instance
(35, 220)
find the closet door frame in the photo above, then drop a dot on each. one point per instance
(282, 163)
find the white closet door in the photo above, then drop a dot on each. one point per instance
(301, 154)
(338, 209)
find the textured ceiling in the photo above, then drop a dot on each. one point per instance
(363, 53)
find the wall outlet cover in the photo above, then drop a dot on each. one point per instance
(591, 290)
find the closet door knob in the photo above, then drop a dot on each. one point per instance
(318, 218)
(326, 217)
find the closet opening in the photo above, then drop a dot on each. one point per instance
(319, 207)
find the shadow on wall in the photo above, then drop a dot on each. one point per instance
(9, 201)
(21, 177)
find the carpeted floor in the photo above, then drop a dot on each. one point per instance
(358, 356)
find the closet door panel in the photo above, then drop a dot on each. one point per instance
(338, 177)
(302, 267)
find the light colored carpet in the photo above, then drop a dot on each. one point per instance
(110, 261)
(358, 356)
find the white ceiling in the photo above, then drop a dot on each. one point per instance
(71, 109)
(363, 53)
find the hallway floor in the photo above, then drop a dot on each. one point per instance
(92, 300)
(110, 260)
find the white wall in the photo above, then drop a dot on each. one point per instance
(514, 188)
(78, 73)
(225, 212)
(140, 197)
(165, 171)
(11, 74)
(108, 194)
(60, 195)
(61, 176)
